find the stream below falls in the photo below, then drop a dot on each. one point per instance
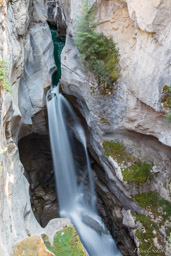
(75, 185)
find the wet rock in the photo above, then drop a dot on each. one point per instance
(50, 211)
(94, 224)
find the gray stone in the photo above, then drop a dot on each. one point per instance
(94, 224)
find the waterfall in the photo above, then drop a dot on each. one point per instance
(75, 187)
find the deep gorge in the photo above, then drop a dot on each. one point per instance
(127, 128)
(35, 154)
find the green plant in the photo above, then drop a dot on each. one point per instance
(137, 171)
(4, 83)
(159, 216)
(116, 150)
(149, 231)
(66, 243)
(97, 52)
(155, 203)
(166, 100)
(169, 238)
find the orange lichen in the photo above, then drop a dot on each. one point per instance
(31, 246)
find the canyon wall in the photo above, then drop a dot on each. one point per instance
(131, 114)
(26, 46)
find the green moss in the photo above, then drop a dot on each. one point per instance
(4, 84)
(169, 117)
(66, 243)
(155, 203)
(137, 171)
(166, 100)
(116, 150)
(168, 231)
(146, 236)
(169, 238)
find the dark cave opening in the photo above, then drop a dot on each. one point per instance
(35, 155)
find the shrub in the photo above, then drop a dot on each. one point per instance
(4, 83)
(97, 52)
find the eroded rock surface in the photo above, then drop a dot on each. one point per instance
(132, 114)
(26, 46)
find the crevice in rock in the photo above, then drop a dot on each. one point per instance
(35, 155)
(110, 210)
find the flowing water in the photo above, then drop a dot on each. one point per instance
(58, 43)
(75, 187)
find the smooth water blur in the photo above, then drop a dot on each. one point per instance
(76, 202)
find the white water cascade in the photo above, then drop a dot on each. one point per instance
(75, 189)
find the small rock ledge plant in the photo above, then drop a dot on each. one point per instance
(4, 83)
(166, 100)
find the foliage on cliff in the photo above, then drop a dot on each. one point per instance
(166, 100)
(133, 170)
(97, 52)
(4, 84)
(147, 232)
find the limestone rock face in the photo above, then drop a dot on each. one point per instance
(150, 16)
(144, 57)
(145, 68)
(25, 44)
(36, 76)
(132, 113)
(17, 220)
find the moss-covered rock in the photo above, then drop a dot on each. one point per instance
(166, 100)
(156, 204)
(4, 83)
(154, 224)
(148, 234)
(152, 229)
(133, 169)
(66, 243)
(138, 172)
